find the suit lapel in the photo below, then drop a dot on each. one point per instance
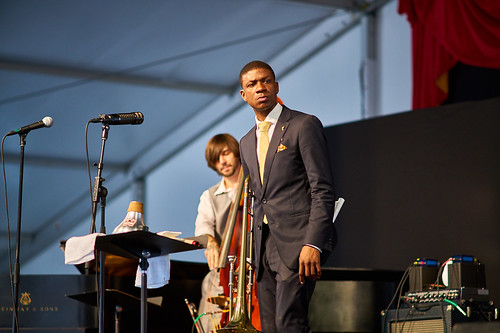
(252, 162)
(279, 132)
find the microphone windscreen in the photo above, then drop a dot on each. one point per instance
(47, 121)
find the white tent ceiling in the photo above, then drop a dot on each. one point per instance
(177, 62)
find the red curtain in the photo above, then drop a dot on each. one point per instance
(445, 32)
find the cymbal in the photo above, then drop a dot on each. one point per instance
(221, 301)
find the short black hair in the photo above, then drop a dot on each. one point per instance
(253, 65)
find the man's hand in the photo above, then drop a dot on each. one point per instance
(212, 253)
(309, 264)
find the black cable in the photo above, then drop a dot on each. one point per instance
(437, 285)
(399, 287)
(396, 293)
(443, 316)
(405, 319)
(9, 252)
(439, 273)
(423, 308)
(400, 292)
(87, 159)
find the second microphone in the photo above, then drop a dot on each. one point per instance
(132, 118)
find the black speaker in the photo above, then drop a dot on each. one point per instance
(422, 277)
(430, 319)
(466, 274)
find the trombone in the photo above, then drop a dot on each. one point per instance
(240, 320)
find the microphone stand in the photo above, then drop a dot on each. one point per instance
(17, 271)
(99, 194)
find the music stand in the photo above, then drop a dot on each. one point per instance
(143, 245)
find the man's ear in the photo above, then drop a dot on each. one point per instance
(243, 95)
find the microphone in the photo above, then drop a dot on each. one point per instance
(133, 118)
(45, 122)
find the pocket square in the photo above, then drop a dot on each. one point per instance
(281, 148)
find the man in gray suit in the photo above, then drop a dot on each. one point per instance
(294, 201)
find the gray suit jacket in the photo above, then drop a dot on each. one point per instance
(297, 194)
